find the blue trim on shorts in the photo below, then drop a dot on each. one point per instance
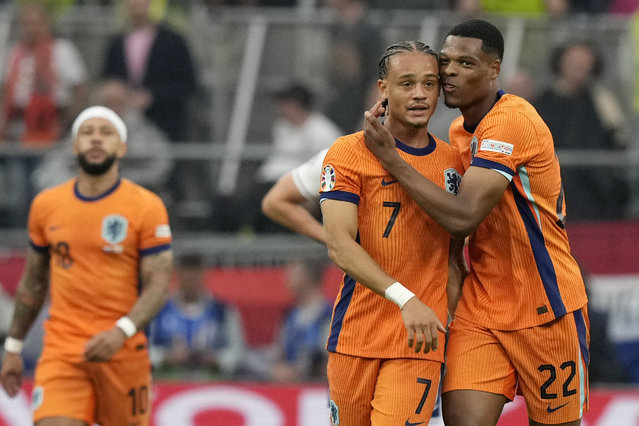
(580, 322)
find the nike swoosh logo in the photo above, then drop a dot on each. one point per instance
(54, 228)
(552, 410)
(389, 182)
(413, 424)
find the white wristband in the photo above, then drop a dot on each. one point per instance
(398, 294)
(127, 326)
(13, 345)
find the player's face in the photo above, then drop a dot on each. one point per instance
(467, 74)
(98, 145)
(411, 87)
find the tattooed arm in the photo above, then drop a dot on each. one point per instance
(29, 298)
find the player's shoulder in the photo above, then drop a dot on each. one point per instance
(138, 192)
(56, 193)
(348, 143)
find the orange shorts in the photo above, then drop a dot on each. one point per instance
(112, 393)
(383, 392)
(547, 364)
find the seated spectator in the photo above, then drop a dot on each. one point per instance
(584, 115)
(301, 353)
(148, 161)
(195, 335)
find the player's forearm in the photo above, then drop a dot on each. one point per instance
(298, 219)
(351, 258)
(445, 208)
(156, 273)
(30, 296)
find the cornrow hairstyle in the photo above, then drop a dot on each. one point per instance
(491, 37)
(401, 47)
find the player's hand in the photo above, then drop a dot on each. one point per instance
(104, 345)
(422, 325)
(11, 375)
(377, 137)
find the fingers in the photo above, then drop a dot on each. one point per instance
(11, 384)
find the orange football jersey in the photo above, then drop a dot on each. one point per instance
(95, 246)
(522, 272)
(398, 235)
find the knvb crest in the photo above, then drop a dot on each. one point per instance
(473, 146)
(453, 180)
(114, 228)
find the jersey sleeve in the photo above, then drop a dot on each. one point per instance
(36, 225)
(341, 179)
(307, 176)
(155, 231)
(506, 142)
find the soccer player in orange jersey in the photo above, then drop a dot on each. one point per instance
(101, 246)
(521, 324)
(386, 355)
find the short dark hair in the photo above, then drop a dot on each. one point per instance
(491, 37)
(296, 92)
(401, 47)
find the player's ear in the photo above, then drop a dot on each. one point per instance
(495, 69)
(382, 89)
(122, 149)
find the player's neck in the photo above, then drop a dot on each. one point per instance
(93, 186)
(475, 112)
(415, 137)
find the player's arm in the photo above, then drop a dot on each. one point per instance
(457, 271)
(29, 298)
(155, 273)
(459, 214)
(340, 223)
(284, 204)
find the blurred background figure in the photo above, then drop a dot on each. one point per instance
(148, 161)
(522, 84)
(45, 82)
(555, 8)
(44, 87)
(300, 353)
(355, 47)
(582, 114)
(299, 131)
(196, 336)
(156, 62)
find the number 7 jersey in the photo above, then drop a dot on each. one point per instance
(521, 271)
(404, 241)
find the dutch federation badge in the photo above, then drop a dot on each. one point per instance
(328, 178)
(453, 180)
(473, 146)
(114, 228)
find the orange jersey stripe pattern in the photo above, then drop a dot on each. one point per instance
(398, 235)
(522, 272)
(95, 246)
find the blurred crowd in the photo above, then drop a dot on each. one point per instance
(149, 72)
